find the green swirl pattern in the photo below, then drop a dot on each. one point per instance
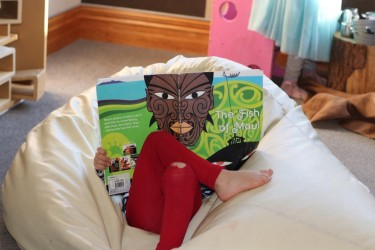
(231, 100)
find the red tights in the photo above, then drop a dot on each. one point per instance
(164, 196)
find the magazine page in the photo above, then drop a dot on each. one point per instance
(233, 125)
(218, 115)
(124, 125)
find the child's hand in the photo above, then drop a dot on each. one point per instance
(101, 160)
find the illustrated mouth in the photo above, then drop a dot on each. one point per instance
(181, 128)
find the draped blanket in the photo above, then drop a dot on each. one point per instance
(353, 112)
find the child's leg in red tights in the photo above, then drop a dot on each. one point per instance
(164, 197)
(182, 199)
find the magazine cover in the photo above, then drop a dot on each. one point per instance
(217, 115)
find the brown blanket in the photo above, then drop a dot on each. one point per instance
(353, 112)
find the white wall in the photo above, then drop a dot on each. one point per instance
(58, 6)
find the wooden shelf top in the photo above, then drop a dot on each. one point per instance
(4, 40)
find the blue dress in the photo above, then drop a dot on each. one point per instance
(303, 28)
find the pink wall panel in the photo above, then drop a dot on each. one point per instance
(231, 39)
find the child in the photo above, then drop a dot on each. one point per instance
(165, 192)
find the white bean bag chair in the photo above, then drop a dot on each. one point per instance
(53, 199)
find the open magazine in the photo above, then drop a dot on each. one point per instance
(217, 115)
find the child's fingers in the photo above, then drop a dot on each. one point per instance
(101, 161)
(101, 151)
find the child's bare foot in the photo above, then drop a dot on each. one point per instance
(230, 183)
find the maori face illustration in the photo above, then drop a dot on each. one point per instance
(180, 103)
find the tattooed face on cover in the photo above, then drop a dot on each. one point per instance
(180, 103)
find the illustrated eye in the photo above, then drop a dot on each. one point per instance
(164, 96)
(195, 95)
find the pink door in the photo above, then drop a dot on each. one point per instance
(231, 39)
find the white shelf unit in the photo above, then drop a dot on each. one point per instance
(23, 29)
(28, 84)
(31, 47)
(10, 13)
(7, 71)
(5, 95)
(7, 63)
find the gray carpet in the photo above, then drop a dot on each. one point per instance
(76, 68)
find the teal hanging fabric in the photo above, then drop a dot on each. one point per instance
(303, 28)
